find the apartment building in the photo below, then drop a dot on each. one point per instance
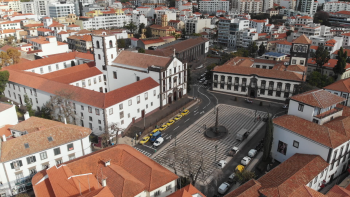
(37, 7)
(259, 25)
(43, 46)
(336, 6)
(341, 18)
(10, 25)
(229, 31)
(14, 5)
(308, 7)
(196, 25)
(61, 10)
(80, 43)
(346, 39)
(34, 145)
(250, 6)
(211, 6)
(116, 164)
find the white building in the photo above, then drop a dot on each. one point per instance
(340, 88)
(8, 115)
(34, 145)
(43, 46)
(336, 6)
(346, 39)
(211, 6)
(283, 47)
(37, 7)
(10, 25)
(250, 6)
(196, 25)
(259, 25)
(14, 5)
(61, 10)
(121, 162)
(315, 125)
(308, 7)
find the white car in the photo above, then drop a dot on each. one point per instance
(246, 160)
(158, 142)
(223, 188)
(235, 149)
(222, 163)
(252, 153)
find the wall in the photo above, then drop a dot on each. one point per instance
(8, 116)
(46, 69)
(306, 114)
(163, 191)
(92, 83)
(342, 94)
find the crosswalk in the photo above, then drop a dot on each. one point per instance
(233, 118)
(144, 152)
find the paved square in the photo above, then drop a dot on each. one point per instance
(233, 118)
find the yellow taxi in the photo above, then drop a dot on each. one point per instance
(163, 127)
(170, 123)
(178, 117)
(185, 112)
(144, 140)
(239, 168)
(155, 130)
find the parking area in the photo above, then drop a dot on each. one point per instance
(233, 118)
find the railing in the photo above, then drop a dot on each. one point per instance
(328, 113)
(24, 180)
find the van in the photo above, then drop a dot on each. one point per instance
(242, 134)
(155, 136)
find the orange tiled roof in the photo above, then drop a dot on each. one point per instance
(5, 130)
(340, 125)
(287, 177)
(302, 40)
(318, 98)
(338, 191)
(77, 76)
(187, 191)
(152, 41)
(248, 189)
(341, 85)
(141, 60)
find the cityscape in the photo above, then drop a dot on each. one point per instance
(175, 98)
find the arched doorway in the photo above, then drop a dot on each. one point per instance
(252, 93)
(170, 96)
(180, 93)
(253, 87)
(175, 94)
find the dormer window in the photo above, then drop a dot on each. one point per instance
(50, 139)
(26, 145)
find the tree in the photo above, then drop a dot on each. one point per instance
(121, 43)
(319, 80)
(141, 26)
(339, 68)
(176, 35)
(262, 49)
(241, 53)
(252, 48)
(141, 50)
(29, 105)
(303, 87)
(138, 36)
(268, 139)
(5, 59)
(183, 33)
(45, 112)
(148, 32)
(61, 107)
(14, 55)
(244, 176)
(8, 41)
(131, 27)
(289, 32)
(322, 17)
(321, 57)
(4, 78)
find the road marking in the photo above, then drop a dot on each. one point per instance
(169, 137)
(150, 147)
(202, 112)
(176, 128)
(187, 120)
(195, 113)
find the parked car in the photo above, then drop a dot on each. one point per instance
(205, 82)
(222, 163)
(199, 67)
(155, 136)
(185, 112)
(170, 122)
(144, 140)
(252, 153)
(240, 168)
(153, 132)
(163, 127)
(178, 117)
(231, 178)
(158, 142)
(201, 81)
(223, 188)
(246, 160)
(285, 106)
(233, 151)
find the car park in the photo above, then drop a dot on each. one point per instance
(154, 131)
(170, 122)
(163, 127)
(178, 117)
(240, 168)
(144, 140)
(222, 163)
(185, 112)
(223, 188)
(246, 160)
(158, 142)
(252, 153)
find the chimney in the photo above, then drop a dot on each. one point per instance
(107, 163)
(65, 120)
(104, 182)
(3, 138)
(26, 116)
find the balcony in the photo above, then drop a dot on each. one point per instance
(329, 113)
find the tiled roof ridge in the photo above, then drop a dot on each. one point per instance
(308, 191)
(316, 97)
(329, 135)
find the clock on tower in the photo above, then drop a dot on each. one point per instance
(299, 52)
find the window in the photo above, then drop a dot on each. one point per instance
(122, 122)
(36, 100)
(95, 81)
(99, 121)
(99, 56)
(50, 139)
(57, 67)
(157, 193)
(31, 159)
(71, 156)
(168, 187)
(97, 111)
(82, 123)
(16, 164)
(128, 115)
(146, 95)
(138, 110)
(90, 109)
(154, 92)
(82, 107)
(151, 103)
(301, 107)
(45, 166)
(115, 75)
(130, 102)
(100, 128)
(41, 70)
(110, 111)
(97, 44)
(110, 44)
(57, 151)
(58, 161)
(90, 125)
(121, 114)
(26, 145)
(70, 147)
(296, 144)
(90, 118)
(138, 99)
(49, 68)
(137, 78)
(100, 79)
(43, 155)
(294, 61)
(89, 82)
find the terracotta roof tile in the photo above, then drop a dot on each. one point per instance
(318, 98)
(337, 191)
(287, 177)
(4, 106)
(341, 85)
(37, 138)
(302, 40)
(77, 76)
(305, 191)
(187, 191)
(344, 50)
(311, 130)
(340, 125)
(5, 130)
(70, 70)
(141, 60)
(248, 189)
(152, 41)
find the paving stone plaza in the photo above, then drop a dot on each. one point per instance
(233, 118)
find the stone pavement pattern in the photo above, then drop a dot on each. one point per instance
(233, 118)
